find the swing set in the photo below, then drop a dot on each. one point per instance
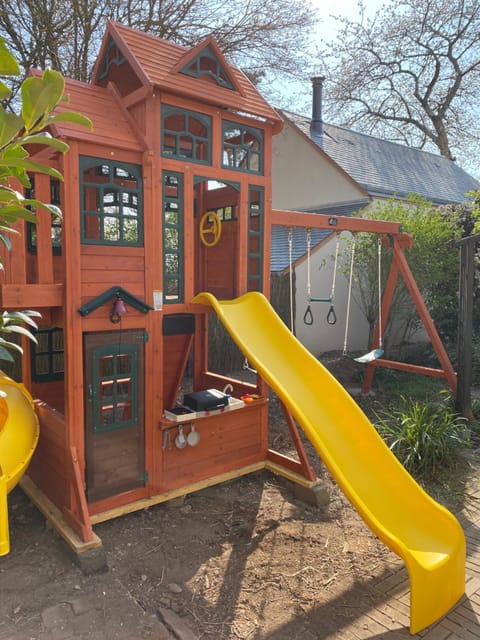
(389, 236)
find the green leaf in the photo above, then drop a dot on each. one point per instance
(46, 138)
(5, 92)
(11, 345)
(25, 316)
(10, 126)
(12, 213)
(40, 96)
(71, 116)
(28, 165)
(6, 355)
(15, 328)
(8, 64)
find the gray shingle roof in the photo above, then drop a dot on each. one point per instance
(391, 170)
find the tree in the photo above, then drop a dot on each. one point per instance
(411, 74)
(260, 36)
(39, 96)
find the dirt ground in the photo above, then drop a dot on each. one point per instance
(245, 560)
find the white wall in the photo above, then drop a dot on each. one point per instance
(304, 177)
(321, 336)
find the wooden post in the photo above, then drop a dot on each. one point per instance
(463, 402)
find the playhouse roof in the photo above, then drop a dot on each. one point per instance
(161, 64)
(103, 108)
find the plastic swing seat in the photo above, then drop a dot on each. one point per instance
(372, 355)
(378, 352)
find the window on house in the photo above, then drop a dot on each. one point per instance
(207, 64)
(111, 203)
(242, 147)
(47, 355)
(186, 135)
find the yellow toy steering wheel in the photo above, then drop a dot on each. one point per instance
(214, 228)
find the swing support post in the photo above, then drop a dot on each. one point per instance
(400, 266)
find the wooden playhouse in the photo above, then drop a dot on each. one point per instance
(168, 195)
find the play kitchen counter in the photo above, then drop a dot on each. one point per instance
(207, 444)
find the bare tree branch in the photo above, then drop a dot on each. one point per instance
(410, 73)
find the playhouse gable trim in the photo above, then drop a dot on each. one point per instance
(195, 64)
(161, 64)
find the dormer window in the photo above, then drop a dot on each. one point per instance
(242, 147)
(186, 135)
(206, 64)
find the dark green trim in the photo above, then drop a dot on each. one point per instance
(207, 64)
(112, 56)
(186, 132)
(256, 218)
(114, 202)
(238, 153)
(114, 402)
(173, 238)
(51, 355)
(109, 296)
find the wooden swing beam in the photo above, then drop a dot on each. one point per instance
(397, 241)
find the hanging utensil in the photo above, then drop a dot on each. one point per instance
(193, 437)
(180, 440)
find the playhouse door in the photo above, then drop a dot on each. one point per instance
(114, 422)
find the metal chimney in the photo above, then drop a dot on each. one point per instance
(316, 125)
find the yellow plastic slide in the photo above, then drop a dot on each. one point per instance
(423, 533)
(19, 433)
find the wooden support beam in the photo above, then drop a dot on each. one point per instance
(334, 223)
(31, 296)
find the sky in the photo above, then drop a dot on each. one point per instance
(296, 96)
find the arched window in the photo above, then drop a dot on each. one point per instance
(186, 135)
(111, 202)
(242, 147)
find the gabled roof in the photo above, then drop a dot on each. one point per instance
(161, 64)
(387, 169)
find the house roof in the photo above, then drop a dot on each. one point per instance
(280, 256)
(159, 63)
(387, 169)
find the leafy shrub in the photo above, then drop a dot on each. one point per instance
(422, 435)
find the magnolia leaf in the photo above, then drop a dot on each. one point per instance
(5, 92)
(29, 165)
(8, 64)
(10, 345)
(12, 213)
(40, 96)
(6, 355)
(71, 116)
(46, 139)
(6, 241)
(26, 316)
(7, 194)
(10, 126)
(15, 328)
